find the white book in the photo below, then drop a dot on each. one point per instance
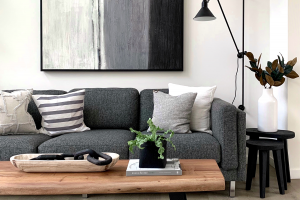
(172, 169)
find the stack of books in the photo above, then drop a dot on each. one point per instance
(172, 169)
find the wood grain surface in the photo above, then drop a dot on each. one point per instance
(198, 175)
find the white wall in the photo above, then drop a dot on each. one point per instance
(279, 44)
(209, 58)
(209, 53)
(293, 87)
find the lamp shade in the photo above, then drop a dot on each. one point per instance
(204, 14)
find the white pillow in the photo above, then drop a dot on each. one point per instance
(14, 118)
(200, 119)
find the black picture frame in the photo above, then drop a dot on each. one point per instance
(112, 70)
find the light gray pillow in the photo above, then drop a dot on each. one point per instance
(173, 112)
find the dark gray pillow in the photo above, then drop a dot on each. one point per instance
(173, 112)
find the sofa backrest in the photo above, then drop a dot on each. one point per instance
(111, 108)
(147, 106)
(32, 108)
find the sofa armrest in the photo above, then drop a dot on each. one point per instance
(224, 129)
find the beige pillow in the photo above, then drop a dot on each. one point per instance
(14, 118)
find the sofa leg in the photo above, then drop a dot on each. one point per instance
(85, 196)
(232, 189)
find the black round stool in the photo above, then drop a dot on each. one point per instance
(264, 146)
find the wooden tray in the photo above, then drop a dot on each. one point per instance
(23, 163)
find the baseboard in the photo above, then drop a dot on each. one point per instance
(295, 173)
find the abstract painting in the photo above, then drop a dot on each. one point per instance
(112, 35)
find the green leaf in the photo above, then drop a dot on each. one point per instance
(279, 77)
(288, 69)
(279, 60)
(157, 139)
(282, 62)
(270, 64)
(253, 64)
(273, 75)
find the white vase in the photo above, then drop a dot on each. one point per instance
(267, 112)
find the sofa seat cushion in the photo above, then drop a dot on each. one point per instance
(196, 145)
(102, 140)
(12, 145)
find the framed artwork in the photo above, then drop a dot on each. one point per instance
(112, 35)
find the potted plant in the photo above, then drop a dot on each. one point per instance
(273, 76)
(153, 148)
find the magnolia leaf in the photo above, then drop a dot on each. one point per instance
(253, 64)
(269, 80)
(282, 62)
(257, 77)
(262, 81)
(274, 65)
(281, 70)
(260, 71)
(252, 69)
(269, 64)
(292, 62)
(279, 83)
(269, 70)
(288, 69)
(292, 75)
(259, 59)
(250, 56)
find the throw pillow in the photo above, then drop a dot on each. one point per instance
(14, 118)
(173, 112)
(200, 119)
(61, 113)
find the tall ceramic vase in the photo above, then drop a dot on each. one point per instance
(267, 112)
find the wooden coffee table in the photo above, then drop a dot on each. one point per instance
(198, 175)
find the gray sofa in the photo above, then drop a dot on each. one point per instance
(110, 112)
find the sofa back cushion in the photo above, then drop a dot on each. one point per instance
(32, 108)
(111, 108)
(147, 106)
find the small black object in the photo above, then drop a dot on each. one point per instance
(49, 157)
(177, 196)
(54, 157)
(149, 156)
(264, 146)
(94, 156)
(242, 108)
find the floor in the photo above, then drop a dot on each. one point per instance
(293, 193)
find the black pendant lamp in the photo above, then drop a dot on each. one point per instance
(206, 15)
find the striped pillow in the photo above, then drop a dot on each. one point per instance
(61, 113)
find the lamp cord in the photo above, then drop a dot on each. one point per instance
(237, 71)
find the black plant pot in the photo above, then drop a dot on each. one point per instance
(149, 156)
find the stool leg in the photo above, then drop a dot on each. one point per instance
(254, 138)
(263, 156)
(254, 170)
(268, 170)
(287, 164)
(279, 170)
(251, 166)
(284, 169)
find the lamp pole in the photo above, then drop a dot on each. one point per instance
(205, 15)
